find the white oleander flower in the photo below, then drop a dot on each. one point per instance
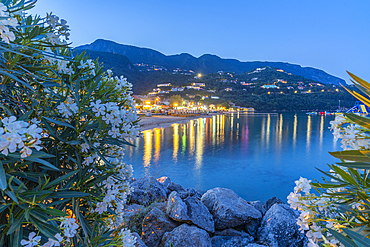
(128, 238)
(51, 242)
(32, 240)
(303, 184)
(101, 207)
(85, 147)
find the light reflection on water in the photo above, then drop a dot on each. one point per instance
(257, 156)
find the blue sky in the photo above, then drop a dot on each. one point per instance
(330, 35)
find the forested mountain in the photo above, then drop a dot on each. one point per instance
(204, 64)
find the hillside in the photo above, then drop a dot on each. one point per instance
(204, 64)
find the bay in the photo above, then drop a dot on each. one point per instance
(256, 155)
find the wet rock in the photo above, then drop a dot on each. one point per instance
(154, 225)
(186, 236)
(279, 228)
(268, 204)
(176, 208)
(190, 210)
(139, 242)
(131, 212)
(165, 181)
(147, 190)
(190, 192)
(199, 214)
(259, 206)
(228, 209)
(175, 187)
(231, 232)
(231, 241)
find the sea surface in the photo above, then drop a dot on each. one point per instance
(258, 156)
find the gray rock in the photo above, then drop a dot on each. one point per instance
(176, 208)
(255, 245)
(165, 181)
(160, 205)
(131, 212)
(147, 190)
(154, 225)
(268, 204)
(190, 210)
(186, 236)
(228, 209)
(175, 187)
(231, 232)
(199, 214)
(279, 228)
(231, 241)
(139, 242)
(259, 206)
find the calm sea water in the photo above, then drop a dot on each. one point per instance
(257, 156)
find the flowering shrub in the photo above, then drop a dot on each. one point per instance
(64, 123)
(337, 212)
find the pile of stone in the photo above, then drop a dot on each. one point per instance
(166, 214)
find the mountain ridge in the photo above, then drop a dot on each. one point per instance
(207, 63)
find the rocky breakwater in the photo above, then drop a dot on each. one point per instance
(163, 213)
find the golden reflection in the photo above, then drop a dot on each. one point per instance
(218, 130)
(184, 139)
(308, 133)
(191, 137)
(321, 129)
(214, 120)
(295, 130)
(237, 131)
(200, 145)
(148, 147)
(222, 129)
(175, 141)
(232, 128)
(280, 129)
(157, 145)
(268, 130)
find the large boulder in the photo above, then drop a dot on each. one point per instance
(270, 202)
(228, 209)
(230, 241)
(199, 214)
(175, 187)
(147, 190)
(190, 210)
(176, 208)
(279, 228)
(186, 236)
(154, 225)
(165, 181)
(259, 206)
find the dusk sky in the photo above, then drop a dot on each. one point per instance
(330, 35)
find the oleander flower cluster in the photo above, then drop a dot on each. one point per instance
(19, 136)
(116, 189)
(317, 212)
(64, 124)
(353, 136)
(60, 33)
(339, 201)
(7, 22)
(68, 226)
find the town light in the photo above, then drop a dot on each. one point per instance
(175, 105)
(199, 75)
(147, 102)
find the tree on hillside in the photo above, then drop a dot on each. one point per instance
(175, 99)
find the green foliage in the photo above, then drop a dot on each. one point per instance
(38, 76)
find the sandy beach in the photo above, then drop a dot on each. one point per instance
(161, 121)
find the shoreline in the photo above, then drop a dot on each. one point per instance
(161, 121)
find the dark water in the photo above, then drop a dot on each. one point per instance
(257, 156)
